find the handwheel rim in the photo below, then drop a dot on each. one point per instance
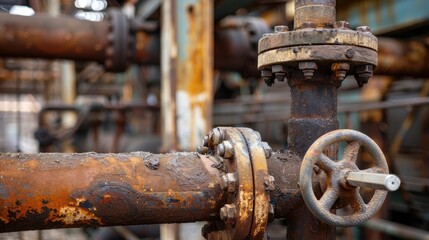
(311, 158)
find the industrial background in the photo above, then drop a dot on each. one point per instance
(203, 119)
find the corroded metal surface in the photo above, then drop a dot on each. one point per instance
(41, 36)
(236, 44)
(40, 191)
(262, 182)
(327, 54)
(403, 58)
(316, 13)
(111, 42)
(337, 185)
(245, 179)
(336, 36)
(314, 59)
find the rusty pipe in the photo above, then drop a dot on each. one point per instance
(46, 37)
(402, 57)
(314, 13)
(41, 191)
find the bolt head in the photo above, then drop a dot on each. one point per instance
(281, 28)
(202, 150)
(220, 150)
(216, 136)
(267, 34)
(350, 53)
(206, 141)
(228, 214)
(266, 73)
(365, 70)
(308, 25)
(228, 182)
(307, 66)
(307, 69)
(342, 25)
(225, 149)
(267, 150)
(269, 81)
(363, 29)
(340, 70)
(269, 183)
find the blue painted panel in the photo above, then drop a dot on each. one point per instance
(385, 15)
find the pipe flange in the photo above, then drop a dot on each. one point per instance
(120, 49)
(246, 181)
(312, 36)
(335, 52)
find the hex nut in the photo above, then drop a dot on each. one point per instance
(280, 72)
(267, 34)
(267, 76)
(225, 149)
(363, 74)
(365, 70)
(363, 29)
(281, 28)
(270, 183)
(342, 25)
(340, 70)
(228, 182)
(307, 69)
(216, 136)
(206, 140)
(350, 53)
(228, 214)
(267, 150)
(308, 25)
(202, 150)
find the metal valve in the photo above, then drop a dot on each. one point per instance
(344, 178)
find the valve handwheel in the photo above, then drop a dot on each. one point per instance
(344, 178)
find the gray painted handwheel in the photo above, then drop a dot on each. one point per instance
(336, 172)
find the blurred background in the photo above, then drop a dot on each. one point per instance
(129, 73)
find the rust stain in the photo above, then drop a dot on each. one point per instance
(39, 191)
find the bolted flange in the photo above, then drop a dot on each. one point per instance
(316, 50)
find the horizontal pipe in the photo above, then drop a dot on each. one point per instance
(56, 190)
(396, 229)
(47, 37)
(402, 58)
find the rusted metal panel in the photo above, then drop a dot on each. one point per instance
(39, 191)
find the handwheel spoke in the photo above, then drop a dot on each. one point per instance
(357, 203)
(325, 163)
(328, 199)
(351, 152)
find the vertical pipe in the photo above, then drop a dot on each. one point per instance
(314, 13)
(313, 113)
